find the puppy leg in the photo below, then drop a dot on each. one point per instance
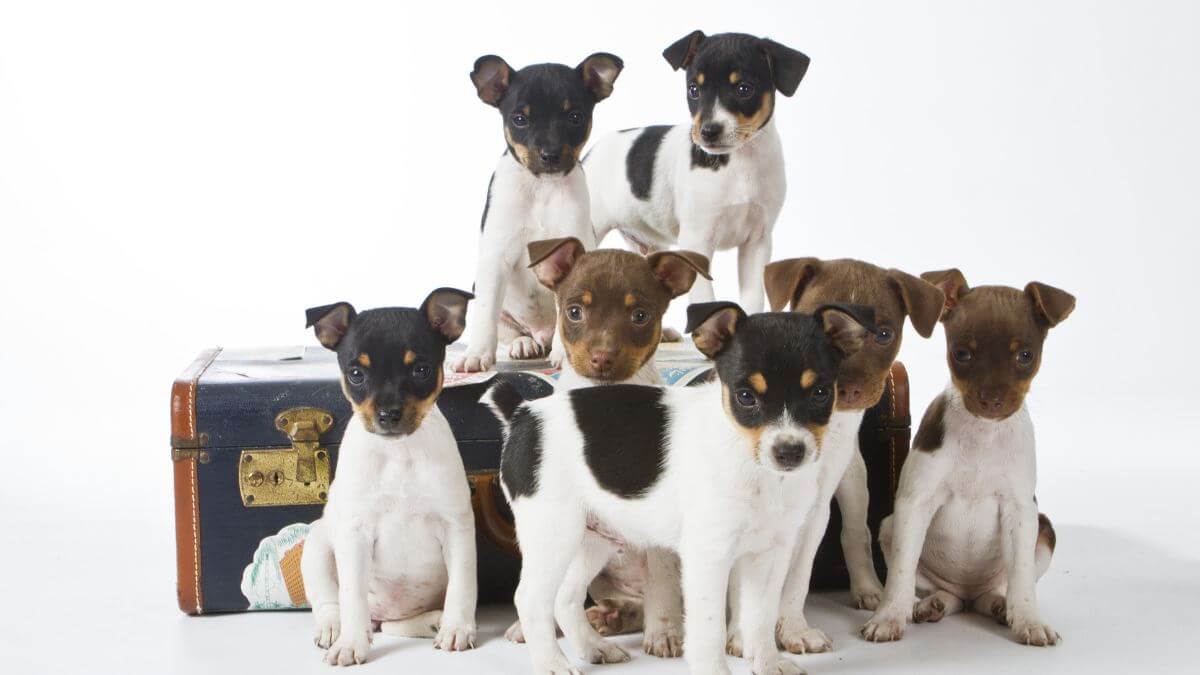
(852, 498)
(352, 553)
(753, 257)
(568, 603)
(663, 635)
(550, 539)
(695, 239)
(706, 559)
(760, 581)
(420, 626)
(793, 632)
(490, 286)
(457, 627)
(320, 584)
(936, 606)
(1018, 539)
(907, 538)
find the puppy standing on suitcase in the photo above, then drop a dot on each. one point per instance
(395, 547)
(536, 192)
(966, 532)
(716, 183)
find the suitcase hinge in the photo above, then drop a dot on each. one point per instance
(289, 476)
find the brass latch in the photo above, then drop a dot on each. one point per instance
(289, 476)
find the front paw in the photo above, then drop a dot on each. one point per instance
(733, 642)
(329, 627)
(525, 347)
(664, 641)
(1032, 631)
(557, 666)
(867, 596)
(797, 637)
(473, 362)
(515, 634)
(886, 625)
(615, 617)
(773, 665)
(605, 651)
(929, 610)
(455, 636)
(350, 648)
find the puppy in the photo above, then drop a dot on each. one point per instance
(395, 547)
(966, 531)
(535, 193)
(716, 183)
(807, 284)
(721, 473)
(612, 303)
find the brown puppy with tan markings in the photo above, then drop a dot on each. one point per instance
(610, 309)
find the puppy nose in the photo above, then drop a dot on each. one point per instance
(388, 418)
(549, 156)
(789, 455)
(849, 395)
(602, 359)
(991, 402)
(711, 131)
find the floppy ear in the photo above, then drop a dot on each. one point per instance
(683, 50)
(788, 66)
(599, 71)
(1052, 304)
(785, 280)
(952, 284)
(712, 325)
(330, 322)
(847, 326)
(491, 76)
(677, 270)
(552, 259)
(446, 310)
(922, 300)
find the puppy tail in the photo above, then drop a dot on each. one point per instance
(503, 398)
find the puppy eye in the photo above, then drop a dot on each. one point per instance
(640, 317)
(1024, 357)
(520, 121)
(884, 336)
(746, 398)
(745, 90)
(962, 354)
(820, 394)
(693, 91)
(421, 372)
(575, 313)
(356, 376)
(575, 118)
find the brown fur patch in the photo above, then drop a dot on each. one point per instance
(415, 410)
(521, 151)
(758, 382)
(748, 125)
(753, 434)
(364, 360)
(932, 431)
(808, 378)
(409, 357)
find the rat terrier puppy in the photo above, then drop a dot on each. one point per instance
(716, 183)
(535, 193)
(966, 531)
(613, 303)
(395, 547)
(723, 473)
(807, 284)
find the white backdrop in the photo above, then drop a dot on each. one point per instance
(180, 175)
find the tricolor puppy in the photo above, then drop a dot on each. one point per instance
(716, 183)
(535, 193)
(966, 532)
(807, 284)
(395, 547)
(722, 473)
(610, 322)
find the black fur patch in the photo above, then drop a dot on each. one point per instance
(505, 397)
(932, 431)
(522, 454)
(487, 204)
(703, 160)
(639, 163)
(624, 436)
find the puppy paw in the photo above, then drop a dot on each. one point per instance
(525, 347)
(797, 637)
(670, 335)
(996, 607)
(514, 633)
(473, 362)
(615, 617)
(605, 651)
(349, 649)
(557, 356)
(929, 610)
(1033, 632)
(733, 642)
(773, 665)
(455, 636)
(665, 642)
(329, 627)
(885, 626)
(558, 666)
(867, 596)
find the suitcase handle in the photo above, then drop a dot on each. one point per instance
(498, 529)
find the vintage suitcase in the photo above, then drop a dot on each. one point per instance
(254, 443)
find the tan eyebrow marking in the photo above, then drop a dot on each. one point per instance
(566, 104)
(409, 357)
(700, 78)
(758, 382)
(630, 300)
(735, 77)
(808, 378)
(586, 298)
(364, 360)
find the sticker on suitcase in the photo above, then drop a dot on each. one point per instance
(272, 580)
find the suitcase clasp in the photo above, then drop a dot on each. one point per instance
(289, 476)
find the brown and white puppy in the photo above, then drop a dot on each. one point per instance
(611, 305)
(966, 531)
(807, 284)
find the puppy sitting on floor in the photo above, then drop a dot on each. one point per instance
(612, 304)
(966, 532)
(723, 473)
(395, 547)
(535, 193)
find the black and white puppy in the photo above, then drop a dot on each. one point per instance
(723, 473)
(395, 546)
(716, 183)
(535, 193)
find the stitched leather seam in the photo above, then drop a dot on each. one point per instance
(195, 384)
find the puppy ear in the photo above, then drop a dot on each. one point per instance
(788, 66)
(599, 71)
(847, 326)
(677, 270)
(1052, 304)
(446, 311)
(330, 322)
(952, 284)
(712, 325)
(785, 280)
(922, 300)
(552, 259)
(491, 76)
(683, 50)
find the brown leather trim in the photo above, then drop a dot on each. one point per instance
(498, 529)
(898, 452)
(187, 490)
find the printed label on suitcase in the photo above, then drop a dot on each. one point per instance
(272, 580)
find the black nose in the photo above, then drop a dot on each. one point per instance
(549, 157)
(789, 455)
(388, 418)
(711, 131)
(991, 403)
